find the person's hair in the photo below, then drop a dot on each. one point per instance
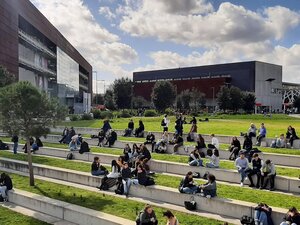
(216, 152)
(96, 158)
(211, 177)
(189, 173)
(255, 155)
(114, 163)
(268, 161)
(233, 138)
(212, 135)
(125, 163)
(3, 175)
(166, 115)
(293, 210)
(262, 124)
(147, 207)
(168, 214)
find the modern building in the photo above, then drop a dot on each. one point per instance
(35, 51)
(263, 79)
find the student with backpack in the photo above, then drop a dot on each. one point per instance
(5, 185)
(142, 177)
(84, 147)
(147, 216)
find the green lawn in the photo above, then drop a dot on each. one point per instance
(223, 124)
(9, 217)
(124, 208)
(224, 191)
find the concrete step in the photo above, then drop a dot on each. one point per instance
(226, 207)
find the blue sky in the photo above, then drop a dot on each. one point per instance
(121, 36)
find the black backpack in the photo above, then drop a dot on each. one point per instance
(120, 188)
(246, 220)
(180, 188)
(70, 156)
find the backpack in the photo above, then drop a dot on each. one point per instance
(70, 156)
(137, 220)
(205, 175)
(196, 175)
(246, 220)
(189, 138)
(120, 188)
(180, 188)
(163, 123)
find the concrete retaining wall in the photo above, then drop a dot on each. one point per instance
(63, 210)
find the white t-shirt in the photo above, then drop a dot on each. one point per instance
(215, 142)
(166, 121)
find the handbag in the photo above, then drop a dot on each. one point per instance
(246, 220)
(190, 205)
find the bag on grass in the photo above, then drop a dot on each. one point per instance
(107, 183)
(120, 188)
(246, 220)
(190, 205)
(196, 175)
(70, 156)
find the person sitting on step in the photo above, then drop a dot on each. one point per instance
(200, 142)
(292, 217)
(268, 171)
(262, 134)
(195, 159)
(178, 143)
(209, 189)
(97, 169)
(291, 135)
(5, 186)
(187, 185)
(214, 142)
(139, 132)
(129, 129)
(234, 148)
(150, 139)
(73, 145)
(242, 165)
(214, 160)
(279, 142)
(255, 170)
(262, 214)
(252, 130)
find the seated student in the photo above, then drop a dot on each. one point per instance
(242, 165)
(139, 132)
(200, 142)
(172, 220)
(214, 160)
(126, 175)
(162, 144)
(97, 169)
(101, 137)
(256, 166)
(73, 145)
(187, 184)
(268, 171)
(178, 143)
(262, 134)
(252, 130)
(192, 135)
(195, 159)
(147, 217)
(214, 142)
(111, 139)
(129, 129)
(84, 147)
(34, 147)
(209, 189)
(173, 140)
(150, 139)
(145, 153)
(292, 217)
(3, 146)
(31, 141)
(127, 153)
(279, 142)
(234, 148)
(247, 145)
(262, 214)
(291, 135)
(115, 170)
(142, 177)
(5, 185)
(39, 142)
(64, 135)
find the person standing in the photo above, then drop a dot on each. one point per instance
(242, 165)
(165, 123)
(15, 140)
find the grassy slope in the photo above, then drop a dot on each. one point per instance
(9, 217)
(224, 191)
(224, 124)
(125, 208)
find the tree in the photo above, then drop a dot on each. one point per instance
(236, 99)
(163, 95)
(98, 99)
(122, 93)
(109, 100)
(223, 98)
(184, 99)
(6, 77)
(249, 102)
(296, 103)
(198, 99)
(140, 102)
(26, 111)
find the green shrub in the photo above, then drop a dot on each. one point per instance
(150, 113)
(74, 117)
(106, 115)
(125, 113)
(96, 113)
(86, 116)
(170, 112)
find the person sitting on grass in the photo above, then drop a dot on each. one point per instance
(126, 178)
(209, 189)
(279, 142)
(214, 160)
(200, 142)
(242, 165)
(234, 148)
(268, 171)
(187, 184)
(195, 159)
(139, 132)
(262, 214)
(214, 142)
(178, 143)
(97, 169)
(73, 145)
(256, 166)
(292, 217)
(171, 219)
(247, 145)
(291, 135)
(5, 185)
(129, 129)
(150, 139)
(147, 217)
(262, 134)
(252, 130)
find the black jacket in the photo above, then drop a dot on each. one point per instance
(97, 166)
(247, 144)
(131, 125)
(142, 178)
(295, 219)
(84, 147)
(236, 143)
(256, 165)
(292, 133)
(187, 182)
(150, 138)
(15, 138)
(126, 173)
(7, 182)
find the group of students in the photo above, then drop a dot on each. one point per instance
(138, 132)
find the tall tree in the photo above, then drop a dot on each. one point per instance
(122, 90)
(6, 77)
(163, 95)
(184, 99)
(26, 111)
(223, 98)
(109, 100)
(140, 102)
(236, 99)
(198, 99)
(249, 102)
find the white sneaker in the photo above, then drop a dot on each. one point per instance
(208, 196)
(185, 149)
(242, 184)
(246, 178)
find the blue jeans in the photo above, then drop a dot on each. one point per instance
(212, 193)
(15, 147)
(98, 172)
(211, 165)
(190, 190)
(243, 174)
(260, 218)
(126, 184)
(196, 162)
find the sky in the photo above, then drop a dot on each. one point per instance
(119, 37)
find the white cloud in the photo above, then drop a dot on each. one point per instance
(230, 23)
(101, 48)
(105, 11)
